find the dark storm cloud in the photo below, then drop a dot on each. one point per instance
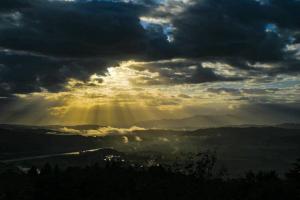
(7, 5)
(23, 73)
(78, 29)
(244, 29)
(241, 33)
(44, 43)
(193, 74)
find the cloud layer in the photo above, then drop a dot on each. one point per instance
(246, 51)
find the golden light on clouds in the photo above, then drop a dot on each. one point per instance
(118, 97)
(136, 91)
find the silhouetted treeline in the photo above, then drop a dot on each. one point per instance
(121, 181)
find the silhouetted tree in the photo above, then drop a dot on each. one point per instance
(126, 182)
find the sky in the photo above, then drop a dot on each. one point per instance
(116, 63)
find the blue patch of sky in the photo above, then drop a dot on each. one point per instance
(271, 28)
(167, 29)
(144, 24)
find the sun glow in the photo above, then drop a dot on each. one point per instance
(119, 97)
(136, 91)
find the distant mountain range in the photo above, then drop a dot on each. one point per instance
(211, 121)
(191, 123)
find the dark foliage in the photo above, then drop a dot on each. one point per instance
(122, 181)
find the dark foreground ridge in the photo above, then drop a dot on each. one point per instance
(118, 180)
